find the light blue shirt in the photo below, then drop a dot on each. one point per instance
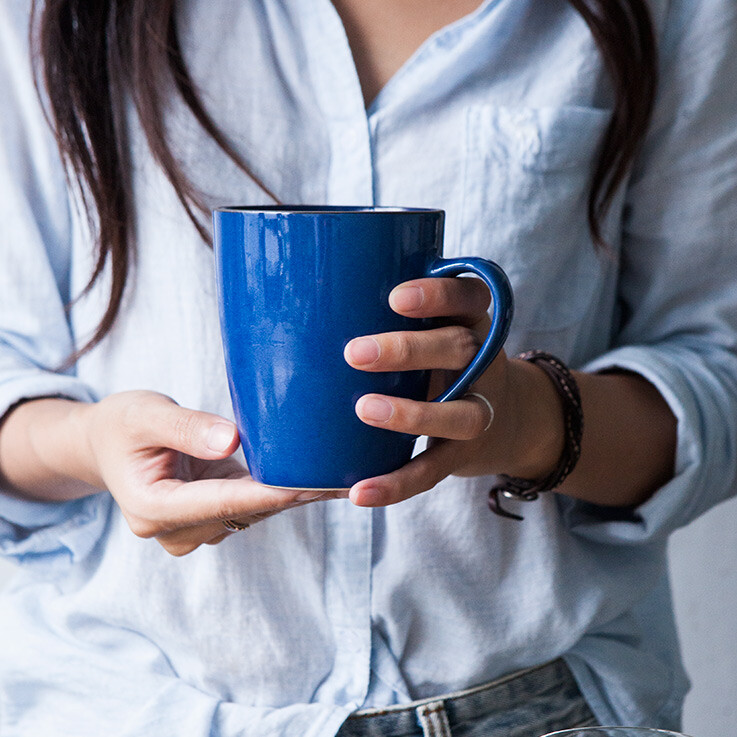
(320, 610)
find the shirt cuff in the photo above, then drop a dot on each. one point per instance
(705, 411)
(33, 531)
(56, 534)
(33, 383)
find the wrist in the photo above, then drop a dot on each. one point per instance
(538, 434)
(81, 426)
(43, 453)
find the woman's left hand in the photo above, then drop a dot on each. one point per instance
(466, 440)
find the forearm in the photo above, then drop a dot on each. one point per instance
(629, 439)
(44, 453)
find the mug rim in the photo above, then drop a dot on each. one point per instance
(326, 209)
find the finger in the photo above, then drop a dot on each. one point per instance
(467, 299)
(161, 422)
(188, 539)
(422, 473)
(218, 539)
(460, 419)
(172, 504)
(452, 347)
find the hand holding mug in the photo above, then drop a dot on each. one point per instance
(465, 436)
(171, 472)
(296, 285)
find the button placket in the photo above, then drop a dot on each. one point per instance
(339, 95)
(348, 601)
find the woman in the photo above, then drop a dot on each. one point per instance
(536, 126)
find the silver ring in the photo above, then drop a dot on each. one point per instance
(487, 403)
(234, 526)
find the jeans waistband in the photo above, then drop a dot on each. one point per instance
(528, 703)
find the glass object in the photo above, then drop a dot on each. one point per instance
(614, 732)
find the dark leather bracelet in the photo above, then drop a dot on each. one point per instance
(527, 490)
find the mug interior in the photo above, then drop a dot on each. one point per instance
(318, 209)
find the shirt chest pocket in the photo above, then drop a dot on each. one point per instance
(525, 190)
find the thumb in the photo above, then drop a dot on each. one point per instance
(199, 434)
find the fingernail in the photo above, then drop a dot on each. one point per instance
(378, 410)
(220, 437)
(367, 497)
(407, 299)
(363, 351)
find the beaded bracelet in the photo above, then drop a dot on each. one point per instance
(527, 490)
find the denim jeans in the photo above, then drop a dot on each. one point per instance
(529, 703)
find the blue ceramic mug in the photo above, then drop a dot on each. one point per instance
(295, 285)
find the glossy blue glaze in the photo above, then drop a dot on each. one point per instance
(295, 285)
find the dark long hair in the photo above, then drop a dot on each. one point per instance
(92, 54)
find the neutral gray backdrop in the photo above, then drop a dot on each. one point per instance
(704, 575)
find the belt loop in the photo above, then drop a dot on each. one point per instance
(433, 719)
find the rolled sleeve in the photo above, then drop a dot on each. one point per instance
(38, 532)
(678, 273)
(702, 398)
(52, 535)
(35, 335)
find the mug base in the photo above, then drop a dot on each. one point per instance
(307, 488)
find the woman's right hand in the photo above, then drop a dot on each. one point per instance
(170, 471)
(169, 468)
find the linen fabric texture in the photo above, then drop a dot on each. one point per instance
(328, 608)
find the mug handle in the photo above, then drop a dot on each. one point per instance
(501, 320)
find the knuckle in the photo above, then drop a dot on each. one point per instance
(438, 294)
(402, 348)
(474, 418)
(477, 417)
(428, 478)
(131, 416)
(481, 296)
(471, 292)
(218, 539)
(416, 414)
(223, 510)
(185, 428)
(179, 549)
(143, 527)
(452, 292)
(447, 292)
(134, 411)
(465, 344)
